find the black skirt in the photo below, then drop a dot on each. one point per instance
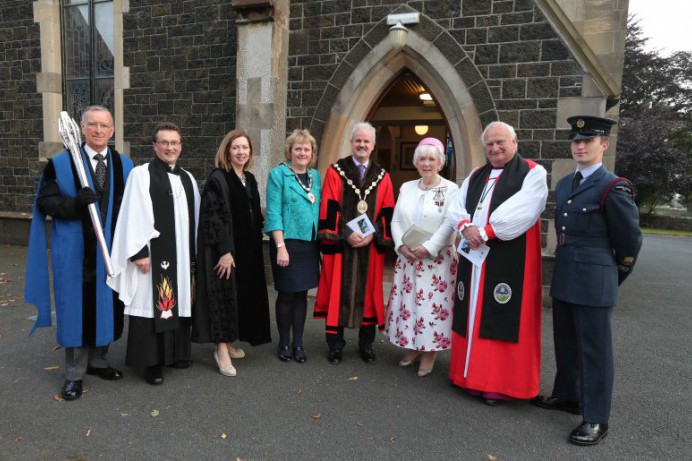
(303, 270)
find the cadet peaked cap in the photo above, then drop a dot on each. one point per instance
(588, 126)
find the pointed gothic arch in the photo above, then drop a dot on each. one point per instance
(368, 70)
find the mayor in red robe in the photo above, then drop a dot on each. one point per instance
(496, 341)
(350, 288)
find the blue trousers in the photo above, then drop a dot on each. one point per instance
(584, 357)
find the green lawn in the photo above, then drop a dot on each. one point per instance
(648, 230)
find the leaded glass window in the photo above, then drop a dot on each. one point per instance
(87, 50)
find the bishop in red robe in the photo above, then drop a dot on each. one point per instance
(496, 342)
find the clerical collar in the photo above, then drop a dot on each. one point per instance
(356, 162)
(92, 153)
(589, 170)
(173, 169)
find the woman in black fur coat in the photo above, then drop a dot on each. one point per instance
(232, 303)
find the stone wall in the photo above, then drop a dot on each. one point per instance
(181, 57)
(525, 64)
(21, 119)
(521, 61)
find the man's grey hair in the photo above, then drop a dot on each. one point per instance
(364, 126)
(510, 128)
(95, 108)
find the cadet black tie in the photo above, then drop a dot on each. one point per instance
(576, 181)
(100, 171)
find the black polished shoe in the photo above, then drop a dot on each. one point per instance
(588, 434)
(285, 353)
(108, 373)
(367, 354)
(334, 356)
(183, 363)
(71, 390)
(299, 354)
(153, 375)
(553, 403)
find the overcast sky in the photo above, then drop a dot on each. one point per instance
(667, 23)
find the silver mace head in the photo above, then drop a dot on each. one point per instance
(69, 130)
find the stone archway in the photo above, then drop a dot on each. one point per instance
(372, 65)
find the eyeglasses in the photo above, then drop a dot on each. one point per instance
(103, 126)
(169, 143)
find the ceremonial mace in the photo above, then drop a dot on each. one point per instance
(72, 139)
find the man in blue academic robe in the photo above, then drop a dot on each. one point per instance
(89, 314)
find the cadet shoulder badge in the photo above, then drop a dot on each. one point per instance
(619, 184)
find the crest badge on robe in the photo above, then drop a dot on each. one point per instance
(502, 293)
(460, 291)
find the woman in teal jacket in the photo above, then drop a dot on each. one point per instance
(293, 205)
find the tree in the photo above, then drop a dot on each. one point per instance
(654, 142)
(656, 164)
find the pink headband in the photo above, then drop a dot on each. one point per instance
(433, 142)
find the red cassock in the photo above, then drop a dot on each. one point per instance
(350, 289)
(499, 303)
(510, 368)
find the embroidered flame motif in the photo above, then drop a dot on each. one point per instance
(166, 301)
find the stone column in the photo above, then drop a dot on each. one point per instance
(49, 80)
(262, 80)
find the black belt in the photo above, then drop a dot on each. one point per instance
(597, 242)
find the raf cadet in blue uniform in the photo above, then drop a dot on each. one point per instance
(599, 238)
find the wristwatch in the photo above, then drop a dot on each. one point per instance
(279, 245)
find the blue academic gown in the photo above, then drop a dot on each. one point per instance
(87, 310)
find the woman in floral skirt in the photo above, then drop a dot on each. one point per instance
(419, 316)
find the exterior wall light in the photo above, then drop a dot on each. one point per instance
(397, 36)
(398, 33)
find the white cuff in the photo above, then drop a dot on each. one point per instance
(464, 226)
(483, 233)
